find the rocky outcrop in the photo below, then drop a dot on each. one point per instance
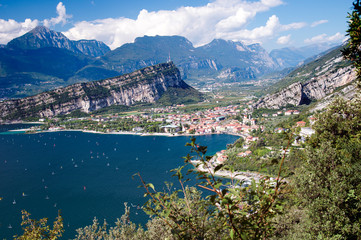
(145, 85)
(328, 79)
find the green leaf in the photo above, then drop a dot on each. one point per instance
(151, 186)
(232, 234)
(218, 185)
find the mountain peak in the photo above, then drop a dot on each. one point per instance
(43, 37)
(39, 29)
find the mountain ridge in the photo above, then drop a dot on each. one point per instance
(41, 37)
(145, 85)
(311, 82)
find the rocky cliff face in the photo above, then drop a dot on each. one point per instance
(41, 37)
(326, 81)
(145, 85)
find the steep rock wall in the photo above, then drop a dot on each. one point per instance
(145, 85)
(314, 89)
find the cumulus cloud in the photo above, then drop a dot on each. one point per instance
(227, 19)
(259, 34)
(11, 29)
(314, 24)
(61, 18)
(284, 39)
(322, 38)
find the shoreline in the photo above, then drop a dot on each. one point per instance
(32, 131)
(244, 176)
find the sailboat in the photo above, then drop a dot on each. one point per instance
(14, 202)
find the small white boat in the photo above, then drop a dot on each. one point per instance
(14, 202)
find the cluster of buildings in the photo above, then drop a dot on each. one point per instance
(281, 113)
(229, 119)
(216, 120)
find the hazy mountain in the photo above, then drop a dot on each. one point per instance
(292, 57)
(42, 37)
(30, 71)
(239, 61)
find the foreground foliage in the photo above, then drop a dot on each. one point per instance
(230, 211)
(39, 229)
(326, 199)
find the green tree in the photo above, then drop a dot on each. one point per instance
(124, 229)
(329, 184)
(352, 51)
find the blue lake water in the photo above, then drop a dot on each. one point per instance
(84, 175)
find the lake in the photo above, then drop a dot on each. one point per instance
(84, 175)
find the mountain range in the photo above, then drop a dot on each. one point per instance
(43, 59)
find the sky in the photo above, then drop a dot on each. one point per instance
(272, 23)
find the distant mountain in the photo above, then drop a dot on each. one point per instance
(292, 57)
(239, 61)
(311, 82)
(30, 71)
(147, 85)
(42, 37)
(220, 59)
(43, 59)
(287, 57)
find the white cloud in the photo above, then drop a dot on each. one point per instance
(259, 34)
(338, 37)
(284, 39)
(11, 29)
(314, 24)
(61, 18)
(225, 19)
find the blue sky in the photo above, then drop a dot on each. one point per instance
(273, 23)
